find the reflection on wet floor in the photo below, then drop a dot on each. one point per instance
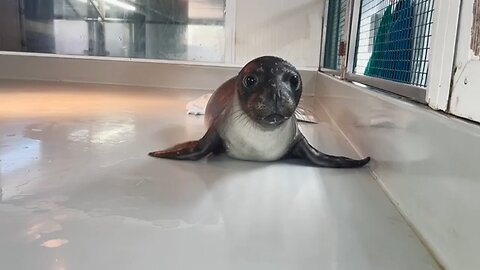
(190, 30)
(80, 192)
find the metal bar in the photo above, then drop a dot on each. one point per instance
(229, 24)
(22, 22)
(346, 36)
(97, 10)
(73, 8)
(331, 35)
(410, 91)
(324, 35)
(339, 37)
(353, 37)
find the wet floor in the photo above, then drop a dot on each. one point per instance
(79, 192)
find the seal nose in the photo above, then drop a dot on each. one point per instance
(277, 100)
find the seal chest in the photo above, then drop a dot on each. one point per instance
(247, 140)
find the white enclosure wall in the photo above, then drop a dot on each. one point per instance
(290, 29)
(465, 97)
(426, 162)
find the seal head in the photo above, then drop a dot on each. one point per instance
(269, 90)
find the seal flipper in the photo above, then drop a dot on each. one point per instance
(193, 150)
(303, 150)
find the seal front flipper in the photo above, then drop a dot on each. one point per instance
(303, 150)
(193, 150)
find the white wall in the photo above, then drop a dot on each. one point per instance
(465, 97)
(285, 28)
(426, 161)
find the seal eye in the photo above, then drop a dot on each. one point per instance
(250, 81)
(294, 81)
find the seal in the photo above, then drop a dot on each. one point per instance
(252, 117)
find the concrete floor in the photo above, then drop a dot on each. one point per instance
(79, 192)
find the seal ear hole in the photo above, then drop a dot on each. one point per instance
(294, 81)
(250, 81)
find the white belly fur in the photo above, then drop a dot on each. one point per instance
(246, 140)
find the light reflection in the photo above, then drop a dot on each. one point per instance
(54, 243)
(80, 135)
(205, 10)
(59, 264)
(44, 227)
(112, 2)
(112, 133)
(74, 101)
(19, 155)
(121, 4)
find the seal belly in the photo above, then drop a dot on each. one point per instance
(246, 140)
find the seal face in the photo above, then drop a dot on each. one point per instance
(269, 90)
(251, 117)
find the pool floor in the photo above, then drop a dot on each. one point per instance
(78, 191)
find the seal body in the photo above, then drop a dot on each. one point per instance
(252, 117)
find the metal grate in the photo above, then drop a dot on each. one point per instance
(335, 33)
(393, 40)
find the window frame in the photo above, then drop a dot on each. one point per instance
(336, 72)
(441, 57)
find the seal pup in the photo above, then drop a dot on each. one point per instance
(252, 117)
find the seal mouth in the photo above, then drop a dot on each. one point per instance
(274, 119)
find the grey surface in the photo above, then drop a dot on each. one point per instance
(425, 160)
(79, 192)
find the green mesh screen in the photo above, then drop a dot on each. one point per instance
(393, 40)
